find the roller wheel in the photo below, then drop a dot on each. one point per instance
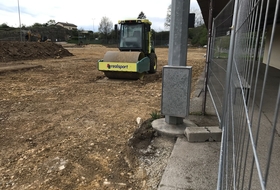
(153, 63)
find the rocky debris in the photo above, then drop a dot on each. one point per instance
(139, 120)
(152, 151)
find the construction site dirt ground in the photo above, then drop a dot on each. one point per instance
(64, 126)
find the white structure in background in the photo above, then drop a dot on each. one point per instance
(67, 25)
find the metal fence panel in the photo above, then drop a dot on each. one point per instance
(244, 86)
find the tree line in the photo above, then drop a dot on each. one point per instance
(109, 33)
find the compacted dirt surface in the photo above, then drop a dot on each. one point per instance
(63, 125)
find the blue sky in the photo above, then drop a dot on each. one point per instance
(86, 14)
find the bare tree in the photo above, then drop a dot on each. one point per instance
(105, 27)
(141, 16)
(168, 18)
(51, 22)
(198, 17)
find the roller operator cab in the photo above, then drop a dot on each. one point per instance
(137, 54)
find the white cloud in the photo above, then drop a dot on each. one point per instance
(83, 13)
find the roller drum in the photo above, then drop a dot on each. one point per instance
(123, 57)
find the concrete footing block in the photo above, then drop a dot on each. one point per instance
(173, 130)
(203, 134)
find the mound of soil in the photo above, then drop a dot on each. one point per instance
(15, 51)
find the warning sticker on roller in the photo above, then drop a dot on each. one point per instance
(111, 66)
(117, 66)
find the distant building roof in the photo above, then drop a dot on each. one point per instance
(66, 24)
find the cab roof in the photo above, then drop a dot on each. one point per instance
(135, 21)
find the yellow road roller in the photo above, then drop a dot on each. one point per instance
(136, 55)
